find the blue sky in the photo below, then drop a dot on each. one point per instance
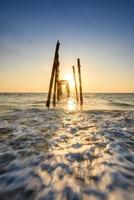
(100, 32)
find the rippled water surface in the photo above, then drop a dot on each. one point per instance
(67, 152)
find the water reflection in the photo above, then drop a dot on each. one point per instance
(54, 154)
(71, 104)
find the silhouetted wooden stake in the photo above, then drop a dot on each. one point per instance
(55, 85)
(80, 82)
(58, 90)
(54, 94)
(58, 86)
(55, 64)
(75, 83)
(67, 89)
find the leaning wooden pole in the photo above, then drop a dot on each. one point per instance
(55, 85)
(54, 93)
(52, 75)
(80, 82)
(75, 83)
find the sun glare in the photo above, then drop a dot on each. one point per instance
(70, 79)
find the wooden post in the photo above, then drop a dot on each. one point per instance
(55, 63)
(55, 85)
(76, 90)
(67, 89)
(54, 94)
(58, 86)
(80, 82)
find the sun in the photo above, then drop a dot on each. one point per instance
(69, 78)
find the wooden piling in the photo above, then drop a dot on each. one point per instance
(75, 83)
(80, 82)
(55, 63)
(67, 89)
(58, 86)
(55, 85)
(54, 93)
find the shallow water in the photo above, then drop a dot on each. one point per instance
(67, 152)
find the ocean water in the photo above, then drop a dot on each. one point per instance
(67, 152)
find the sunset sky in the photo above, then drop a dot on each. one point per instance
(99, 32)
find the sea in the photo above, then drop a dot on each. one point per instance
(67, 152)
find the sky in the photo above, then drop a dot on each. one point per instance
(99, 32)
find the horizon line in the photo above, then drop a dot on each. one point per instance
(74, 92)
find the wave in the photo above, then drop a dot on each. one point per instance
(38, 102)
(115, 103)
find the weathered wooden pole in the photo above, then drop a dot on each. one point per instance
(80, 82)
(55, 85)
(54, 93)
(75, 83)
(58, 90)
(67, 89)
(58, 86)
(55, 63)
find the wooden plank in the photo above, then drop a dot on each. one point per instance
(80, 82)
(55, 63)
(75, 83)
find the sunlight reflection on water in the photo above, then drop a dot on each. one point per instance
(71, 104)
(63, 153)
